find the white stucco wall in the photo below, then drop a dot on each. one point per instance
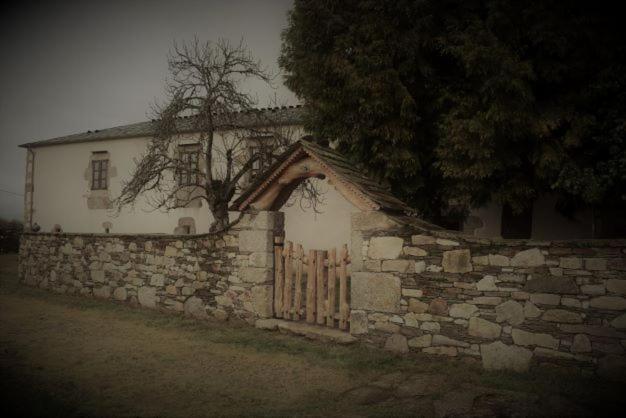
(61, 189)
(320, 231)
(485, 222)
(547, 222)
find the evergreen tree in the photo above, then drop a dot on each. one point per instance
(455, 103)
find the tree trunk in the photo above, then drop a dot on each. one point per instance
(220, 215)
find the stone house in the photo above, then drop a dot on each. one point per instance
(404, 285)
(71, 179)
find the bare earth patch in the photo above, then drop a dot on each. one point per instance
(70, 356)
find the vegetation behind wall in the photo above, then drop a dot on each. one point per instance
(10, 236)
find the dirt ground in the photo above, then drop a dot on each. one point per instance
(71, 356)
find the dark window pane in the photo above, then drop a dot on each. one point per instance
(516, 225)
(99, 171)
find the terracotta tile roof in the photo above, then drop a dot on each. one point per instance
(285, 115)
(378, 196)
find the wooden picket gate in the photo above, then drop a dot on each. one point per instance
(321, 303)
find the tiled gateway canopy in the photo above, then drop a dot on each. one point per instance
(252, 118)
(342, 173)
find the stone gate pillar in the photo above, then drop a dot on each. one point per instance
(370, 291)
(256, 240)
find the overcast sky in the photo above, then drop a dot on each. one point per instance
(73, 66)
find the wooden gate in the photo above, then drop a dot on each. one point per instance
(316, 276)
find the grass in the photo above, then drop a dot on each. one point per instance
(81, 356)
(355, 358)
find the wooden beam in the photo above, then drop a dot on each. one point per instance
(300, 170)
(296, 172)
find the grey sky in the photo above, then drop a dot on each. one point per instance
(73, 66)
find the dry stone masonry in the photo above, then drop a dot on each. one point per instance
(224, 276)
(510, 304)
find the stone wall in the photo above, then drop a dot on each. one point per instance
(225, 275)
(510, 304)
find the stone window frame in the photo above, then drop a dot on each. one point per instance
(188, 192)
(253, 143)
(186, 226)
(99, 174)
(96, 197)
(189, 155)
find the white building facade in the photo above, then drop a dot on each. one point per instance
(70, 182)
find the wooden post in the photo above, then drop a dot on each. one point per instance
(330, 306)
(344, 308)
(278, 277)
(321, 294)
(298, 297)
(287, 298)
(310, 288)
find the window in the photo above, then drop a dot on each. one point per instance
(188, 172)
(516, 225)
(99, 174)
(264, 160)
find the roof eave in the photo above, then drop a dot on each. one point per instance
(50, 143)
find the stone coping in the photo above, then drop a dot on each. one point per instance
(423, 227)
(127, 235)
(588, 243)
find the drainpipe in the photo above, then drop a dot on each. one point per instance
(29, 187)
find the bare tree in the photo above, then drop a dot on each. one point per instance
(208, 137)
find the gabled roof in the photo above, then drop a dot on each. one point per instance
(337, 168)
(286, 115)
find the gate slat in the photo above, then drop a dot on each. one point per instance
(344, 308)
(321, 295)
(323, 270)
(287, 298)
(298, 297)
(330, 307)
(310, 288)
(278, 277)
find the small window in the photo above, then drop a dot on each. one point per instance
(264, 160)
(189, 168)
(99, 174)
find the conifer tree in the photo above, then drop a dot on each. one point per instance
(456, 103)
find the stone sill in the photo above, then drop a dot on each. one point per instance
(315, 332)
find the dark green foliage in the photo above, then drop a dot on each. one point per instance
(10, 232)
(455, 103)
